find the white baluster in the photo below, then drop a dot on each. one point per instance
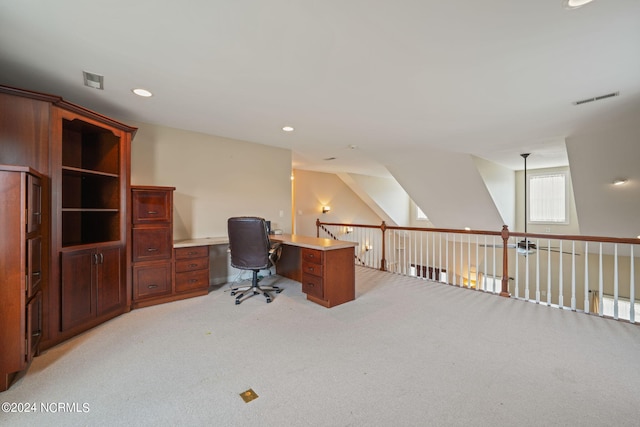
(548, 272)
(573, 275)
(537, 272)
(560, 281)
(586, 278)
(600, 283)
(632, 289)
(615, 281)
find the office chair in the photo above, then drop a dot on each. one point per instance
(251, 249)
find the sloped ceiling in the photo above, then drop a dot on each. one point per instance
(449, 189)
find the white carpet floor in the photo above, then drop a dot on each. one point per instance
(406, 352)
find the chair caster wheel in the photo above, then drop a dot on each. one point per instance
(278, 291)
(268, 300)
(256, 293)
(238, 302)
(233, 293)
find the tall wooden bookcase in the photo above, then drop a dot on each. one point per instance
(84, 159)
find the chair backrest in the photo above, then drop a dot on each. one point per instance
(249, 242)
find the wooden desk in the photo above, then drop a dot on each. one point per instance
(324, 267)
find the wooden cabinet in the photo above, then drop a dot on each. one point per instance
(152, 244)
(84, 161)
(21, 269)
(88, 285)
(324, 267)
(160, 272)
(90, 175)
(312, 279)
(192, 270)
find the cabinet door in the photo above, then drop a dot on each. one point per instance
(34, 265)
(109, 286)
(34, 325)
(34, 203)
(78, 293)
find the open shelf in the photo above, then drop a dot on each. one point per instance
(91, 187)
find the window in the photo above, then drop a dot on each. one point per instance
(421, 215)
(548, 198)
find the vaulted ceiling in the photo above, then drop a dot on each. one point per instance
(361, 81)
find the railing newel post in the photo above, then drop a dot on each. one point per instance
(505, 262)
(383, 261)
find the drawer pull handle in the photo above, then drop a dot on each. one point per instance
(36, 333)
(152, 249)
(152, 286)
(36, 273)
(310, 285)
(152, 212)
(193, 265)
(310, 268)
(193, 280)
(192, 253)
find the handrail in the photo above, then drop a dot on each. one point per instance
(459, 265)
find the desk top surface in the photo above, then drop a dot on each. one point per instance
(312, 242)
(287, 239)
(204, 241)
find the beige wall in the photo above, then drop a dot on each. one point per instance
(315, 189)
(215, 178)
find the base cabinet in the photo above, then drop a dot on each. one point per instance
(91, 285)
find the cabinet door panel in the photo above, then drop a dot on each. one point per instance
(34, 204)
(34, 325)
(78, 300)
(34, 265)
(110, 292)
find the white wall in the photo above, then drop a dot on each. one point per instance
(215, 178)
(315, 189)
(500, 182)
(448, 188)
(596, 159)
(383, 195)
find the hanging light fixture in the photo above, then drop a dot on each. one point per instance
(525, 246)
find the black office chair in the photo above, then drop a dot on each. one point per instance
(251, 249)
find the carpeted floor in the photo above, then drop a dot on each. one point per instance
(406, 352)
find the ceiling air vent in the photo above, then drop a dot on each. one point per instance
(95, 81)
(596, 98)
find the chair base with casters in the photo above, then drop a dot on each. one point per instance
(254, 289)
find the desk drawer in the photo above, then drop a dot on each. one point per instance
(312, 255)
(192, 264)
(192, 252)
(312, 285)
(151, 280)
(311, 268)
(192, 280)
(151, 244)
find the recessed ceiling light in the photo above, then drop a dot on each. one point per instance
(142, 92)
(619, 181)
(329, 158)
(287, 128)
(574, 4)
